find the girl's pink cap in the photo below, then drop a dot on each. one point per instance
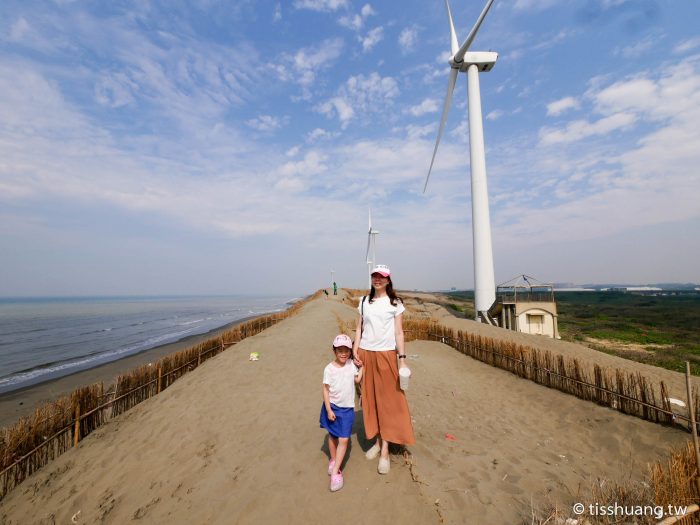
(342, 340)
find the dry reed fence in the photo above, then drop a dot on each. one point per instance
(55, 427)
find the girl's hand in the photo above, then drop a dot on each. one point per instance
(331, 415)
(357, 361)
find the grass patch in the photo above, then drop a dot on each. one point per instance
(665, 325)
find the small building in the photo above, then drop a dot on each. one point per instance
(526, 305)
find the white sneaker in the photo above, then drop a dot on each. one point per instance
(384, 465)
(373, 452)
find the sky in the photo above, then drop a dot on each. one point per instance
(235, 147)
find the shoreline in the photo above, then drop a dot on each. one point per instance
(23, 401)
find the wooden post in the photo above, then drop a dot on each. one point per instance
(199, 357)
(691, 412)
(160, 377)
(76, 431)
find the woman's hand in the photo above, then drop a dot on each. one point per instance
(331, 415)
(357, 361)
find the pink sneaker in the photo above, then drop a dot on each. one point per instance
(336, 482)
(331, 464)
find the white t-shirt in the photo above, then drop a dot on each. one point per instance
(341, 383)
(378, 323)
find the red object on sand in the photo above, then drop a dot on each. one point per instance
(450, 437)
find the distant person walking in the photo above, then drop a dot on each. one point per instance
(335, 288)
(379, 349)
(338, 409)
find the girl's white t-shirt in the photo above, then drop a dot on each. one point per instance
(341, 383)
(378, 323)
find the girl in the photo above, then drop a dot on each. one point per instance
(379, 346)
(338, 410)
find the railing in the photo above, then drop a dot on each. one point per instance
(535, 297)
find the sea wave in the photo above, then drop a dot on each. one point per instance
(50, 370)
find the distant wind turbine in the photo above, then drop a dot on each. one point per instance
(462, 60)
(371, 240)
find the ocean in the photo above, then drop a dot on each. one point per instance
(47, 338)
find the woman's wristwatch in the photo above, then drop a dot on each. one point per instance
(402, 356)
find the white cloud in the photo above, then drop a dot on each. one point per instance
(408, 39)
(534, 5)
(414, 132)
(340, 107)
(357, 21)
(367, 11)
(636, 94)
(495, 114)
(625, 187)
(320, 5)
(267, 122)
(607, 4)
(364, 94)
(428, 105)
(319, 134)
(558, 107)
(636, 50)
(372, 38)
(687, 45)
(19, 30)
(581, 129)
(277, 13)
(115, 90)
(353, 22)
(303, 66)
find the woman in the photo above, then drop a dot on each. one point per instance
(379, 348)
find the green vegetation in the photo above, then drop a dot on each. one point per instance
(662, 330)
(460, 304)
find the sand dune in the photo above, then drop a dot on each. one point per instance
(238, 441)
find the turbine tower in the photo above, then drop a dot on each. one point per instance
(472, 63)
(371, 240)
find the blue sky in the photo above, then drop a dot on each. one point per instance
(206, 146)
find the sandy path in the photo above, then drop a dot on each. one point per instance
(238, 442)
(516, 442)
(233, 442)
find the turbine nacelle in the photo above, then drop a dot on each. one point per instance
(484, 60)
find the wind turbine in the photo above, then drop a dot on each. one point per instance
(371, 240)
(472, 63)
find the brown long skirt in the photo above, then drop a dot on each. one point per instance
(384, 406)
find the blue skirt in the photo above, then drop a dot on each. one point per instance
(342, 426)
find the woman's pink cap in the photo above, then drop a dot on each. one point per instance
(342, 340)
(382, 269)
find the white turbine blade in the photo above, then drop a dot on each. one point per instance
(459, 55)
(370, 219)
(453, 34)
(369, 237)
(445, 111)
